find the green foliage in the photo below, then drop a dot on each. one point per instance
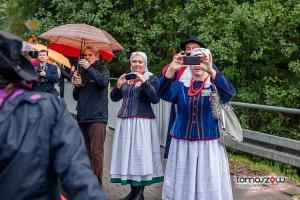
(254, 43)
(3, 14)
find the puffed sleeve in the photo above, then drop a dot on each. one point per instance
(167, 89)
(225, 89)
(116, 94)
(150, 89)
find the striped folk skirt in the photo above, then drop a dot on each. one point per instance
(197, 170)
(136, 157)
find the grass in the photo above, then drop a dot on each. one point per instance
(259, 163)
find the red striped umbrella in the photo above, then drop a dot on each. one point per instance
(74, 52)
(80, 35)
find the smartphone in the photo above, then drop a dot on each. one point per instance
(78, 67)
(191, 60)
(130, 76)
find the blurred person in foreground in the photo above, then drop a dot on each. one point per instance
(91, 92)
(41, 147)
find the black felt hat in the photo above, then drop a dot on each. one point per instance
(192, 39)
(13, 64)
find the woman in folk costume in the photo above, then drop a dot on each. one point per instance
(197, 166)
(136, 158)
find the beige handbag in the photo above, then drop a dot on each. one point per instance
(230, 129)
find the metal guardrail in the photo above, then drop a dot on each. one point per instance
(269, 146)
(265, 145)
(265, 107)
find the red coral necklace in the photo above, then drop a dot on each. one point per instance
(192, 91)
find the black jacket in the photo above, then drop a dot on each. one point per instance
(46, 84)
(92, 96)
(40, 142)
(137, 99)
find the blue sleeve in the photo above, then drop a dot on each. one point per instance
(52, 74)
(225, 89)
(71, 162)
(168, 89)
(116, 94)
(150, 89)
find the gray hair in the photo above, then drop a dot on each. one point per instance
(143, 55)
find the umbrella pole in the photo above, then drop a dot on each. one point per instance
(81, 56)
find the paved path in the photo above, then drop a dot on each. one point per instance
(153, 192)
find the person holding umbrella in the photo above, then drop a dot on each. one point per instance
(91, 91)
(41, 147)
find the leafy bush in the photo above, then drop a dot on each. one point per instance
(254, 43)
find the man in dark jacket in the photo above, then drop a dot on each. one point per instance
(48, 75)
(91, 91)
(40, 142)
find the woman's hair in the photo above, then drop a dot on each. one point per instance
(10, 84)
(6, 78)
(143, 55)
(3, 82)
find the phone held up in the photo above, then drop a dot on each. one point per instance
(191, 60)
(130, 76)
(78, 67)
(81, 56)
(195, 60)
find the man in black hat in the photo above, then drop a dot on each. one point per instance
(191, 43)
(41, 147)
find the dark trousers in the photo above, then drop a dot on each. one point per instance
(94, 135)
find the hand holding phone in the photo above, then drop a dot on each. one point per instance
(130, 76)
(121, 81)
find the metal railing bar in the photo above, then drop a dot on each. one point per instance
(272, 139)
(268, 153)
(265, 107)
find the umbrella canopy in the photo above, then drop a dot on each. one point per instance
(74, 52)
(58, 57)
(80, 35)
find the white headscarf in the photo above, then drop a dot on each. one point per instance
(186, 76)
(144, 56)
